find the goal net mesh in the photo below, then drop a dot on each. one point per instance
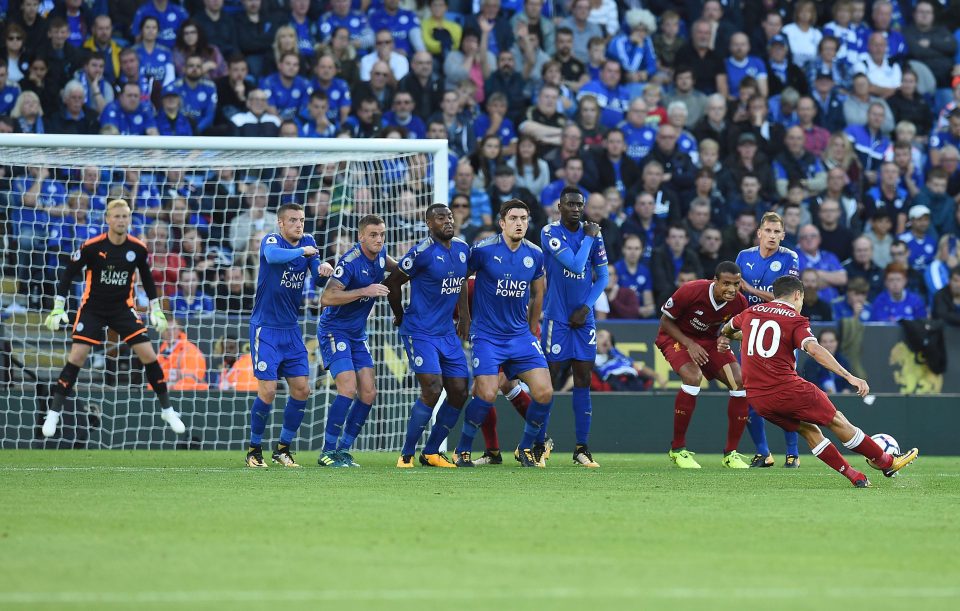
(202, 214)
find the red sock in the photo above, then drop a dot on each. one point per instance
(683, 407)
(828, 453)
(736, 419)
(861, 444)
(489, 428)
(521, 402)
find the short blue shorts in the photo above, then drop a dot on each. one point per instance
(436, 355)
(516, 355)
(278, 353)
(339, 353)
(561, 343)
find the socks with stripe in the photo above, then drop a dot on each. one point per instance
(683, 407)
(757, 433)
(866, 446)
(419, 417)
(336, 418)
(828, 453)
(293, 413)
(737, 411)
(259, 413)
(355, 421)
(520, 400)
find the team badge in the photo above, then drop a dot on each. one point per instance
(271, 239)
(406, 264)
(76, 255)
(463, 257)
(669, 303)
(79, 326)
(476, 362)
(775, 266)
(341, 346)
(261, 366)
(131, 256)
(383, 262)
(554, 244)
(337, 273)
(528, 262)
(555, 348)
(418, 361)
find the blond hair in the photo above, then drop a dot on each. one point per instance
(116, 203)
(772, 217)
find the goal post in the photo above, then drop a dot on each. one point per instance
(201, 205)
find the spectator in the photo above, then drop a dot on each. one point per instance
(156, 59)
(710, 242)
(713, 124)
(234, 294)
(857, 105)
(710, 75)
(908, 105)
(162, 11)
(667, 41)
(404, 25)
(652, 181)
(237, 370)
(581, 29)
(423, 84)
(544, 121)
(506, 80)
(572, 175)
(101, 43)
(814, 308)
(531, 59)
(831, 105)
(697, 219)
(183, 363)
(610, 166)
(683, 91)
(881, 237)
(896, 302)
(573, 68)
(193, 39)
(741, 64)
(747, 199)
(530, 19)
(935, 198)
(199, 94)
(319, 124)
(792, 215)
(472, 61)
(257, 121)
(254, 32)
(612, 97)
(633, 49)
(533, 173)
(459, 125)
(255, 217)
(632, 274)
(900, 254)
(796, 164)
(480, 208)
(170, 120)
(402, 115)
(622, 302)
(830, 273)
(826, 380)
(344, 53)
(495, 123)
(869, 141)
(597, 211)
(571, 145)
(889, 196)
(739, 236)
(218, 28)
(385, 52)
(853, 304)
(337, 90)
(462, 222)
(129, 115)
(73, 118)
(841, 29)
(378, 89)
(677, 166)
(617, 372)
(341, 15)
(908, 160)
(934, 46)
(829, 62)
(588, 120)
(28, 114)
(669, 260)
(440, 35)
(834, 236)
(937, 275)
(746, 159)
(882, 18)
(946, 302)
(287, 91)
(862, 265)
(920, 239)
(98, 93)
(816, 138)
(802, 34)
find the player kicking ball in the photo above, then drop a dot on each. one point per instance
(435, 268)
(507, 301)
(276, 343)
(342, 333)
(691, 321)
(573, 254)
(772, 332)
(112, 260)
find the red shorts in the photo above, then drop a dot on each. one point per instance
(678, 356)
(789, 407)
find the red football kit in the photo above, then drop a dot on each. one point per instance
(700, 318)
(771, 333)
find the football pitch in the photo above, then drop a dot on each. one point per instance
(151, 530)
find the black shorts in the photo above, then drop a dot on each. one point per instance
(92, 318)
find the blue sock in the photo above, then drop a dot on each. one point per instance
(259, 413)
(336, 417)
(419, 417)
(542, 433)
(582, 413)
(355, 421)
(757, 433)
(447, 417)
(537, 415)
(792, 438)
(293, 414)
(473, 416)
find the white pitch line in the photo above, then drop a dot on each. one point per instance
(263, 596)
(120, 469)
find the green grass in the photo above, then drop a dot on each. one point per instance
(145, 530)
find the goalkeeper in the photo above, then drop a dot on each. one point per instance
(111, 260)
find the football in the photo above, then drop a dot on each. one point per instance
(887, 443)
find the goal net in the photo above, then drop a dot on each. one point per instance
(202, 206)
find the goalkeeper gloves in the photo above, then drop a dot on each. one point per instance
(158, 319)
(58, 316)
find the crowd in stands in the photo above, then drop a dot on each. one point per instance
(681, 121)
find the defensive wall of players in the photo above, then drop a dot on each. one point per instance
(622, 422)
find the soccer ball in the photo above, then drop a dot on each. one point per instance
(887, 443)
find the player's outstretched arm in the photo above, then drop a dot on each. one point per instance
(827, 360)
(575, 262)
(394, 284)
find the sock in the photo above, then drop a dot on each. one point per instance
(828, 453)
(419, 417)
(537, 415)
(736, 419)
(336, 417)
(582, 414)
(683, 407)
(489, 428)
(156, 378)
(447, 417)
(355, 421)
(861, 444)
(473, 416)
(757, 432)
(792, 438)
(259, 413)
(520, 400)
(542, 433)
(65, 383)
(293, 414)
